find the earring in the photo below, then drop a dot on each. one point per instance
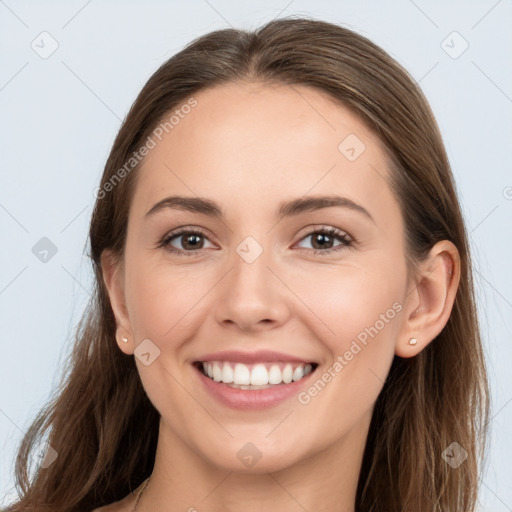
(413, 341)
(125, 339)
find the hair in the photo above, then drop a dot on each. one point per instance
(100, 420)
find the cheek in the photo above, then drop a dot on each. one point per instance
(163, 300)
(352, 299)
(359, 317)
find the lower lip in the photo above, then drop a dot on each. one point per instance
(252, 399)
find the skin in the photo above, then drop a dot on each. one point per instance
(248, 146)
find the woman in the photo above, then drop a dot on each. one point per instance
(284, 314)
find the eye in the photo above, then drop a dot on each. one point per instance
(190, 240)
(324, 239)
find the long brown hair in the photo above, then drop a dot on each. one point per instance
(100, 421)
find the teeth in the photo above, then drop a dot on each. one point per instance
(217, 373)
(242, 375)
(298, 373)
(258, 376)
(227, 374)
(274, 375)
(287, 374)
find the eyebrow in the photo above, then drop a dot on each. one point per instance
(286, 209)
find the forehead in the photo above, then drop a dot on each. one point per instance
(261, 142)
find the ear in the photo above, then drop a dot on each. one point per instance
(429, 303)
(113, 276)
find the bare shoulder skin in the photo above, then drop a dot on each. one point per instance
(124, 505)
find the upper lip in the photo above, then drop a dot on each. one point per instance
(260, 356)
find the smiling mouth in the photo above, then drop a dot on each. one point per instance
(254, 376)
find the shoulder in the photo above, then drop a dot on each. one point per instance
(125, 505)
(106, 508)
(113, 507)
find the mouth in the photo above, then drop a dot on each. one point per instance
(256, 376)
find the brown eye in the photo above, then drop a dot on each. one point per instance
(191, 241)
(322, 240)
(184, 241)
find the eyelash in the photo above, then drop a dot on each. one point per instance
(332, 232)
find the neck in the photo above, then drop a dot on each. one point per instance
(183, 480)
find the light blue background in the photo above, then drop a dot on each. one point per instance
(59, 117)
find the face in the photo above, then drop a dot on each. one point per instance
(322, 284)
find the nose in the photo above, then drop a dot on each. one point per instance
(251, 296)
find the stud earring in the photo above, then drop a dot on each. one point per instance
(125, 339)
(413, 341)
